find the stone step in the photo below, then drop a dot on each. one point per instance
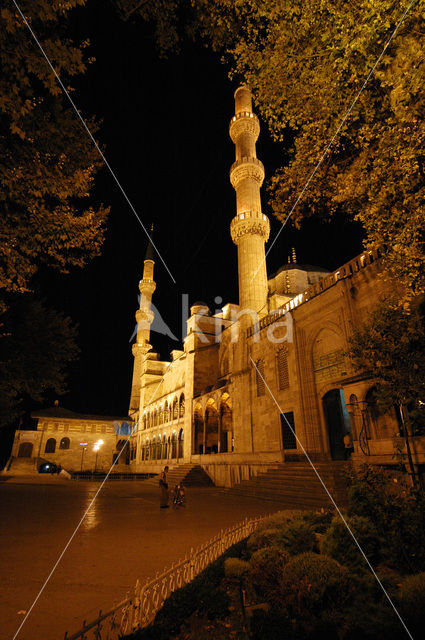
(294, 481)
(294, 500)
(192, 475)
(297, 485)
(21, 466)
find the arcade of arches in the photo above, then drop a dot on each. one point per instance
(213, 427)
(159, 447)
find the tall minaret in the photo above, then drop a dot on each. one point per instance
(250, 228)
(144, 318)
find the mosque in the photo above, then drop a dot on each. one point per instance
(255, 385)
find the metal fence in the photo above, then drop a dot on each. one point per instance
(139, 610)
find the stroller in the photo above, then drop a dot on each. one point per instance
(179, 496)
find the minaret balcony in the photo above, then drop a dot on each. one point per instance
(250, 223)
(144, 316)
(147, 287)
(244, 122)
(140, 349)
(244, 168)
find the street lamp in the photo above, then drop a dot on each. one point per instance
(84, 447)
(96, 448)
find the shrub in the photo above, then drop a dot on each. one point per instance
(236, 569)
(318, 520)
(412, 603)
(314, 590)
(398, 514)
(266, 571)
(278, 519)
(338, 543)
(298, 537)
(263, 538)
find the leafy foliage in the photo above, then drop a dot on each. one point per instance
(306, 62)
(391, 344)
(311, 586)
(337, 543)
(36, 346)
(398, 515)
(162, 13)
(266, 570)
(298, 537)
(264, 538)
(48, 163)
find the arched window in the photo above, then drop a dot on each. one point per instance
(144, 421)
(175, 409)
(181, 406)
(158, 448)
(153, 448)
(164, 447)
(180, 444)
(155, 418)
(174, 445)
(259, 370)
(166, 413)
(282, 368)
(161, 414)
(64, 443)
(50, 446)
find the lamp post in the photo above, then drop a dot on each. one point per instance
(84, 447)
(96, 448)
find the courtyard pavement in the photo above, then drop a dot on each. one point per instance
(125, 537)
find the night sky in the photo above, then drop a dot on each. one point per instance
(164, 127)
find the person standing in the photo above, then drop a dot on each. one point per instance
(163, 485)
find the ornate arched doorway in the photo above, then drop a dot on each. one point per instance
(337, 422)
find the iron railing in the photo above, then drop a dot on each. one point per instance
(139, 610)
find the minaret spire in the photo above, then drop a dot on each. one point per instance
(250, 228)
(144, 319)
(149, 249)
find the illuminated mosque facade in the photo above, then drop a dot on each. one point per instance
(254, 386)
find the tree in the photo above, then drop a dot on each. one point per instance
(36, 346)
(163, 13)
(305, 63)
(47, 162)
(390, 345)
